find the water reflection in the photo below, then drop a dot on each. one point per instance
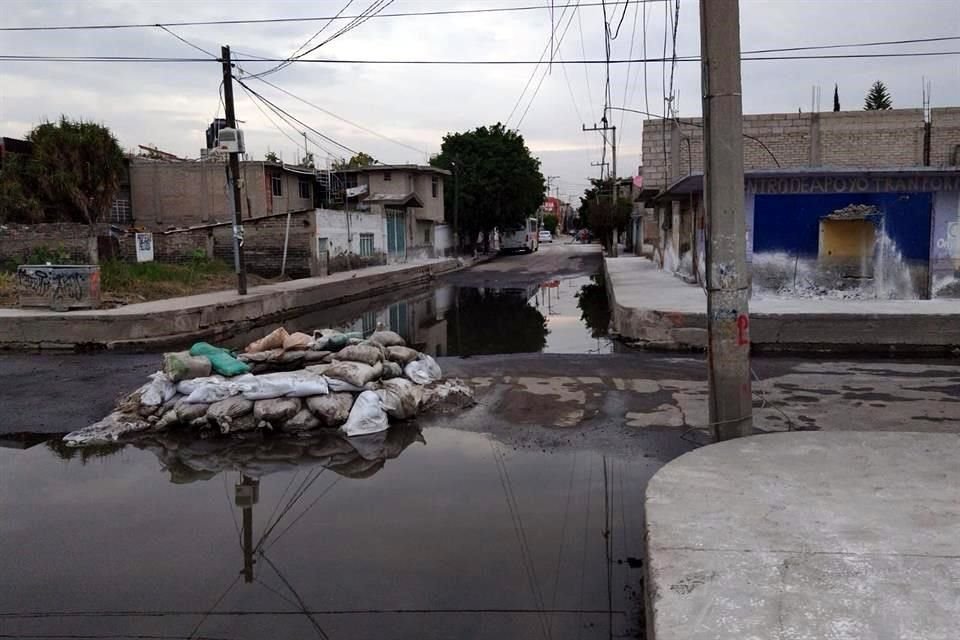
(461, 538)
(558, 316)
(188, 458)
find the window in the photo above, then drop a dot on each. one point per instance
(426, 234)
(366, 245)
(387, 177)
(304, 189)
(276, 185)
(322, 244)
(434, 186)
(120, 212)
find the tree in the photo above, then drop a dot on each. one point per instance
(551, 222)
(498, 180)
(77, 166)
(272, 157)
(878, 98)
(18, 202)
(600, 214)
(359, 160)
(836, 97)
(308, 160)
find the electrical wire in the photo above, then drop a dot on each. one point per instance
(546, 71)
(744, 58)
(403, 14)
(626, 86)
(188, 43)
(338, 117)
(293, 55)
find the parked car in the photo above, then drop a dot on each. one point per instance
(545, 236)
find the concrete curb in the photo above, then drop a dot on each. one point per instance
(208, 317)
(805, 535)
(665, 326)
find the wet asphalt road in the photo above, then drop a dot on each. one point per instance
(643, 397)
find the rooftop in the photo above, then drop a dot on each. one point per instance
(417, 168)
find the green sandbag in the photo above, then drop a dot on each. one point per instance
(221, 360)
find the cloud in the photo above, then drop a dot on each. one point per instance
(170, 105)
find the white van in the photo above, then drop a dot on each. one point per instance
(521, 237)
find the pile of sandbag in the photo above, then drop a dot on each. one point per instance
(330, 380)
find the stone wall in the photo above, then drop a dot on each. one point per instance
(874, 139)
(18, 241)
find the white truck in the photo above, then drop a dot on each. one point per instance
(521, 237)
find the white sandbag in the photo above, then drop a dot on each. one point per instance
(402, 355)
(226, 414)
(306, 385)
(367, 354)
(423, 370)
(160, 389)
(110, 429)
(400, 398)
(388, 339)
(366, 416)
(356, 373)
(332, 410)
(275, 411)
(186, 387)
(391, 370)
(339, 386)
(303, 420)
(215, 390)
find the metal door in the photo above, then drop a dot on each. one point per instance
(396, 233)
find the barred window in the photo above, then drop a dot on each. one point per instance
(366, 245)
(120, 212)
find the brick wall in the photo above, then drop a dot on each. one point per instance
(263, 245)
(18, 241)
(845, 139)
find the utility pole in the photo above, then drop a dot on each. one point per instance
(728, 293)
(233, 175)
(456, 207)
(613, 145)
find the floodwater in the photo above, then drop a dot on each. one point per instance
(568, 315)
(439, 534)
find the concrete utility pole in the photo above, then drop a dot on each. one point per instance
(456, 207)
(613, 145)
(233, 175)
(728, 293)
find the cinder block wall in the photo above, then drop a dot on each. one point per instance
(19, 241)
(843, 139)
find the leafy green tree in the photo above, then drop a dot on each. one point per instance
(78, 167)
(550, 223)
(878, 98)
(18, 202)
(599, 213)
(498, 181)
(272, 157)
(359, 160)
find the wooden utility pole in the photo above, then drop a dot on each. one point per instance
(233, 175)
(728, 293)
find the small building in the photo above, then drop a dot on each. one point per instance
(167, 194)
(407, 198)
(888, 233)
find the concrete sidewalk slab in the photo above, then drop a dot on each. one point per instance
(659, 310)
(807, 536)
(204, 316)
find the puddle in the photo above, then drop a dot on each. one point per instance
(558, 316)
(445, 531)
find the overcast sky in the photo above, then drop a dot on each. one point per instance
(170, 105)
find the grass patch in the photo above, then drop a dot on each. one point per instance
(8, 288)
(123, 282)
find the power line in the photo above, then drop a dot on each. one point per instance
(747, 58)
(338, 117)
(400, 14)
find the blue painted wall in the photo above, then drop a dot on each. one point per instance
(790, 223)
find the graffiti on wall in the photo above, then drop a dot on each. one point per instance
(58, 287)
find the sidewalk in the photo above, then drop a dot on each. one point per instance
(659, 310)
(205, 316)
(806, 536)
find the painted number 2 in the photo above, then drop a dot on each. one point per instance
(743, 325)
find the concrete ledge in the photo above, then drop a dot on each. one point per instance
(659, 311)
(207, 316)
(807, 535)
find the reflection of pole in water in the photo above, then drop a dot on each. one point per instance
(247, 494)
